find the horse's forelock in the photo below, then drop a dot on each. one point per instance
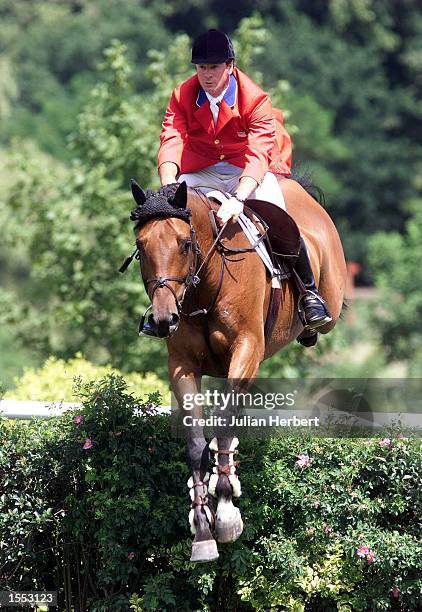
(159, 205)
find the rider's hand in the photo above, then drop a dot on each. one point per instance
(230, 210)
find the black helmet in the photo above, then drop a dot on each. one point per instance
(213, 47)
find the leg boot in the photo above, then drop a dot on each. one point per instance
(312, 309)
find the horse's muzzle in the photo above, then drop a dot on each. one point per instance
(161, 330)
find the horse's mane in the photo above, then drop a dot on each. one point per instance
(159, 205)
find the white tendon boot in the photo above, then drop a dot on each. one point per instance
(202, 550)
(228, 521)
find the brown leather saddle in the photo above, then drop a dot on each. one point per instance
(282, 230)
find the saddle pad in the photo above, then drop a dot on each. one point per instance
(252, 234)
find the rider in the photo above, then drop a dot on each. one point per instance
(219, 131)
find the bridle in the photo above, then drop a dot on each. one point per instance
(192, 278)
(189, 280)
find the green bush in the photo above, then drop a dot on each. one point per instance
(54, 381)
(95, 506)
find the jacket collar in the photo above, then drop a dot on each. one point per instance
(230, 96)
(228, 108)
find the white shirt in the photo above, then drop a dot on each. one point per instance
(214, 103)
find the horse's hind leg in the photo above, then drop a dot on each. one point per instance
(201, 515)
(224, 482)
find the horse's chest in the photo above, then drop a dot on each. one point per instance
(219, 342)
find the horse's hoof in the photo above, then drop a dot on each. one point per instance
(228, 522)
(204, 551)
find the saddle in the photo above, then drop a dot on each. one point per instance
(282, 230)
(282, 237)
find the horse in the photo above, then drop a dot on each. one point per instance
(211, 311)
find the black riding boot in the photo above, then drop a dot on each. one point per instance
(312, 309)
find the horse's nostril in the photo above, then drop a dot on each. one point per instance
(174, 319)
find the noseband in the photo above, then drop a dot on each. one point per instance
(190, 279)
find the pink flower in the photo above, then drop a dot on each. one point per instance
(385, 442)
(364, 552)
(88, 443)
(328, 530)
(79, 419)
(131, 556)
(303, 460)
(395, 592)
(400, 436)
(370, 557)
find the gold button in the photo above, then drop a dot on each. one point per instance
(216, 141)
(222, 156)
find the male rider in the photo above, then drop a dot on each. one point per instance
(221, 132)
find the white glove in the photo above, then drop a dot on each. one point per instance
(230, 210)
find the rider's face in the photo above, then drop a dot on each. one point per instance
(213, 78)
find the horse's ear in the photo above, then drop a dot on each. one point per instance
(180, 198)
(137, 192)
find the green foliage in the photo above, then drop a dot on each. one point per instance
(79, 234)
(354, 76)
(112, 516)
(54, 48)
(55, 381)
(13, 359)
(396, 260)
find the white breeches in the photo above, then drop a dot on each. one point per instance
(225, 177)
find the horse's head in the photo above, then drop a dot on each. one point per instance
(168, 250)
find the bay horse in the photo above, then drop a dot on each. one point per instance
(183, 275)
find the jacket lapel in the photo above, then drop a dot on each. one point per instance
(204, 116)
(224, 116)
(203, 112)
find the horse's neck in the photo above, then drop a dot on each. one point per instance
(200, 207)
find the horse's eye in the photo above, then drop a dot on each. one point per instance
(186, 244)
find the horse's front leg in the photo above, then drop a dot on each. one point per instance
(201, 516)
(224, 483)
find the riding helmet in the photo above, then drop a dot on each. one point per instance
(213, 47)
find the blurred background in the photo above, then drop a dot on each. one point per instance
(83, 89)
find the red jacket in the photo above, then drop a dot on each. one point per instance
(249, 132)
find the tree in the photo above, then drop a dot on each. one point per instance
(396, 260)
(55, 48)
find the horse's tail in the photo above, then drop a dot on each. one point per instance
(303, 176)
(345, 305)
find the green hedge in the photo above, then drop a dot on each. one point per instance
(96, 507)
(54, 381)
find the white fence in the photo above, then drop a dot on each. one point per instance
(14, 409)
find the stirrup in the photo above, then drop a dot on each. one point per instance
(310, 325)
(308, 338)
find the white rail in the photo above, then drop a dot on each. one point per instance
(22, 409)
